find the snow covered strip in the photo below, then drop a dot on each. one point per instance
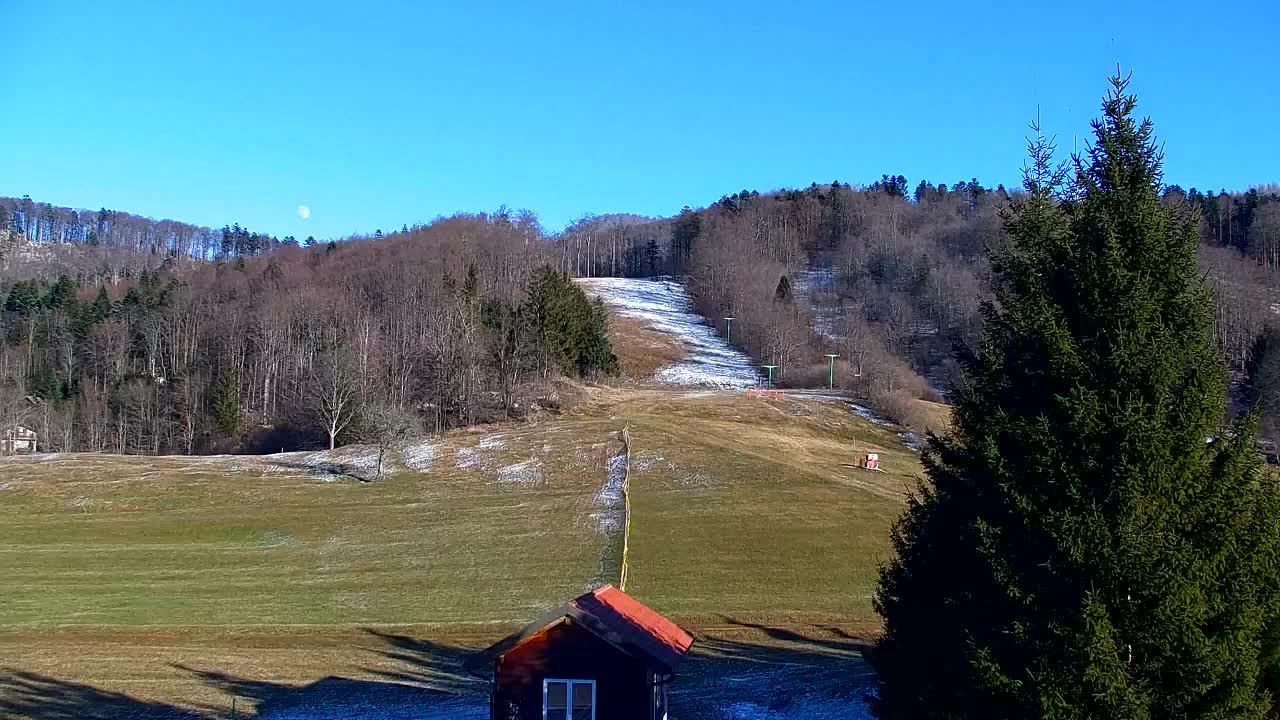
(665, 306)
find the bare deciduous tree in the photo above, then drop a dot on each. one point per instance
(331, 392)
(15, 409)
(390, 427)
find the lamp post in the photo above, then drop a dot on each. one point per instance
(831, 370)
(770, 369)
(728, 329)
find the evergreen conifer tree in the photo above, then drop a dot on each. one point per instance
(1095, 539)
(571, 332)
(101, 305)
(24, 297)
(782, 293)
(226, 403)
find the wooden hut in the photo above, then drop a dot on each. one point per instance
(601, 656)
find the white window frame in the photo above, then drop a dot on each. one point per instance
(569, 683)
(659, 700)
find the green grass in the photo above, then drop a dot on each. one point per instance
(122, 573)
(749, 509)
(168, 541)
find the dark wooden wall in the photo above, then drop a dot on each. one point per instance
(568, 651)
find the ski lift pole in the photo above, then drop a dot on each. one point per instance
(728, 329)
(770, 368)
(831, 370)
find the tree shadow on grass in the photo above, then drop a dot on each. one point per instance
(39, 697)
(404, 678)
(750, 670)
(412, 679)
(423, 662)
(738, 670)
(343, 697)
(813, 637)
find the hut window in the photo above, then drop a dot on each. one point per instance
(568, 699)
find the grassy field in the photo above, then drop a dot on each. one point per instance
(937, 416)
(751, 509)
(162, 587)
(146, 541)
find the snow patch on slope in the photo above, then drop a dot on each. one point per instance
(610, 514)
(420, 456)
(665, 306)
(469, 459)
(869, 415)
(908, 438)
(528, 472)
(351, 460)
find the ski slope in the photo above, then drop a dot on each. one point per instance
(664, 305)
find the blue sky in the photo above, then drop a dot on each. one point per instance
(377, 114)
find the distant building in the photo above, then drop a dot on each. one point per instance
(17, 440)
(601, 656)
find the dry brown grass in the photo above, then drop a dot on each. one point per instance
(641, 350)
(931, 416)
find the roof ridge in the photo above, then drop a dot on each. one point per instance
(617, 618)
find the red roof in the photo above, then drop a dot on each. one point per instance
(617, 618)
(643, 618)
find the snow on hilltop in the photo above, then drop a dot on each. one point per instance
(665, 306)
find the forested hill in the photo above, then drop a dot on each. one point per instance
(131, 334)
(461, 321)
(892, 278)
(43, 224)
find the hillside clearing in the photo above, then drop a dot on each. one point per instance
(642, 351)
(664, 307)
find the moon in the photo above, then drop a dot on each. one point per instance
(304, 212)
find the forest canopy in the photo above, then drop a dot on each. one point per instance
(136, 335)
(457, 322)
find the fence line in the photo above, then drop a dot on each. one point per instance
(626, 505)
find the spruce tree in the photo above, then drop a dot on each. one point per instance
(101, 305)
(1095, 539)
(571, 332)
(226, 403)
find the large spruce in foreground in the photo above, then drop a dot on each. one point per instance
(1094, 541)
